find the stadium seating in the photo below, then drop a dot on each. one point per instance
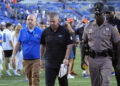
(77, 9)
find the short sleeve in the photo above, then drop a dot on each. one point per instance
(115, 35)
(10, 35)
(19, 36)
(43, 38)
(69, 39)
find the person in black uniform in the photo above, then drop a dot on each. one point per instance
(58, 44)
(79, 32)
(113, 20)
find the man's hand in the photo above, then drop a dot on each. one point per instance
(1, 41)
(65, 61)
(41, 63)
(83, 65)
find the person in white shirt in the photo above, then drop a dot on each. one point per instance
(8, 48)
(19, 56)
(1, 50)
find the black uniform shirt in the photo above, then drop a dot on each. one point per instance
(79, 32)
(56, 44)
(116, 23)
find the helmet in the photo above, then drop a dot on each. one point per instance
(98, 8)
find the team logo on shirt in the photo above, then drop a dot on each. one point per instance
(116, 27)
(60, 36)
(24, 35)
(35, 35)
(71, 38)
(107, 29)
(90, 30)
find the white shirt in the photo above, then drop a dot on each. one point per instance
(14, 39)
(7, 36)
(1, 33)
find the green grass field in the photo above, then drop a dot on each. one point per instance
(78, 81)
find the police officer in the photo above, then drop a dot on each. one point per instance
(99, 34)
(113, 20)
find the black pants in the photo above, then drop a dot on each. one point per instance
(117, 73)
(50, 77)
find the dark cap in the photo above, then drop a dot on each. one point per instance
(109, 9)
(98, 8)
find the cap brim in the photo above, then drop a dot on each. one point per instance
(92, 10)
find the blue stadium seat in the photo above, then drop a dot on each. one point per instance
(85, 13)
(111, 3)
(40, 3)
(118, 5)
(66, 11)
(84, 3)
(59, 4)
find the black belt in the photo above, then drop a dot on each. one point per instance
(103, 53)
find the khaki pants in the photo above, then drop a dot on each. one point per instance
(100, 70)
(32, 71)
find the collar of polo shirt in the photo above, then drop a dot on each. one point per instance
(31, 30)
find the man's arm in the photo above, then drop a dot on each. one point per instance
(68, 51)
(11, 42)
(118, 54)
(42, 51)
(69, 27)
(116, 42)
(84, 42)
(15, 50)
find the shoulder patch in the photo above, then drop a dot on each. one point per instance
(115, 27)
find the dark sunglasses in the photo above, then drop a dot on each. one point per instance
(107, 12)
(98, 14)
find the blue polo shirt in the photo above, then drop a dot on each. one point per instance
(0, 39)
(30, 42)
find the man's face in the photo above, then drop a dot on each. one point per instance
(99, 17)
(1, 27)
(31, 21)
(43, 26)
(54, 23)
(109, 16)
(11, 27)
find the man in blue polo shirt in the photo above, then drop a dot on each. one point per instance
(29, 38)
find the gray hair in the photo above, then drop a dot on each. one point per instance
(53, 15)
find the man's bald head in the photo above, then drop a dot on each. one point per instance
(31, 21)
